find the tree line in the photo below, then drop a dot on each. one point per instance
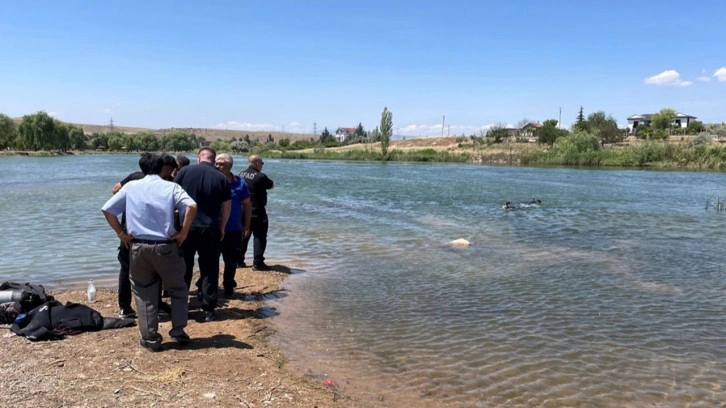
(40, 131)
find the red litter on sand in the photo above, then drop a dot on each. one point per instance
(328, 381)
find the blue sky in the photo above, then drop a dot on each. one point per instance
(293, 65)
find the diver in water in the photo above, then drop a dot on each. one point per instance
(508, 205)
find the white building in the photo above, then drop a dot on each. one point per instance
(681, 120)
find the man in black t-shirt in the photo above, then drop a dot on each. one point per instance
(257, 183)
(209, 188)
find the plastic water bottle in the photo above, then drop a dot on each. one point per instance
(91, 291)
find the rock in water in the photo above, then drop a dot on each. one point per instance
(459, 243)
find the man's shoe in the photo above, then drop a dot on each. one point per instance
(182, 338)
(151, 345)
(228, 292)
(211, 316)
(126, 313)
(241, 264)
(200, 296)
(260, 267)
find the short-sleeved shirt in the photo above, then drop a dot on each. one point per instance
(209, 188)
(239, 191)
(258, 183)
(149, 204)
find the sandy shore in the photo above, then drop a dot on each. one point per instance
(228, 363)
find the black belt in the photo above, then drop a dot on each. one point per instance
(152, 241)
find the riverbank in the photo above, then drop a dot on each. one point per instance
(229, 362)
(678, 152)
(682, 152)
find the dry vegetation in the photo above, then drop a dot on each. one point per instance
(209, 134)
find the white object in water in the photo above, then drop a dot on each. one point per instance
(459, 243)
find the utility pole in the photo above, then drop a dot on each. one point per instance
(559, 121)
(315, 128)
(442, 125)
(110, 123)
(448, 130)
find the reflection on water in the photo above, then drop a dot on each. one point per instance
(608, 294)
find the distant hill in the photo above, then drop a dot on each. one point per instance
(211, 135)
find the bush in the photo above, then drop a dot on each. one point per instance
(702, 138)
(577, 142)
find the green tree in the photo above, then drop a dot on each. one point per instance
(37, 131)
(220, 146)
(580, 123)
(61, 140)
(326, 137)
(549, 133)
(386, 129)
(8, 130)
(147, 142)
(663, 119)
(76, 138)
(242, 146)
(695, 127)
(98, 140)
(115, 141)
(359, 135)
(577, 142)
(604, 127)
(374, 135)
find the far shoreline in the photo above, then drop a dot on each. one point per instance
(677, 153)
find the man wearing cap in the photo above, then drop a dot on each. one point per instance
(154, 243)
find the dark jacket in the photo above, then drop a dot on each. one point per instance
(257, 183)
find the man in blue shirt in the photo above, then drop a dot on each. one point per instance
(154, 243)
(238, 225)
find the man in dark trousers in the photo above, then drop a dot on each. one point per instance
(257, 183)
(124, 284)
(150, 204)
(209, 188)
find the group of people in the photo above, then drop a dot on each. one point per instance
(171, 213)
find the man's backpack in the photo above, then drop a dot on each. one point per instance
(28, 295)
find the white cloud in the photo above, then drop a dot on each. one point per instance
(53, 114)
(292, 127)
(720, 74)
(419, 130)
(670, 77)
(107, 110)
(435, 130)
(704, 78)
(235, 125)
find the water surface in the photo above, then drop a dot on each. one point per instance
(609, 293)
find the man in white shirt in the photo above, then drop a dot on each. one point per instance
(154, 243)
